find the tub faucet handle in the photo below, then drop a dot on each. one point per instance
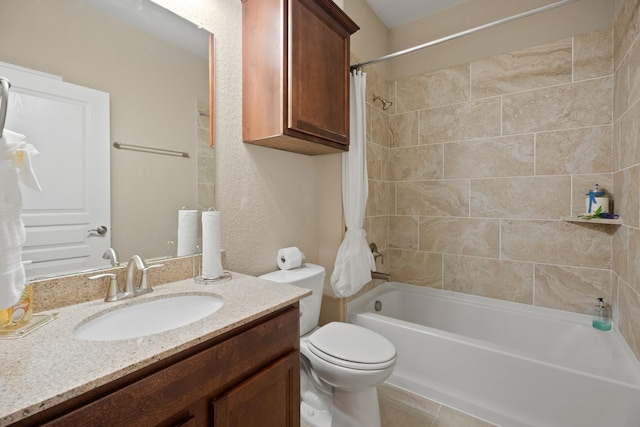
(376, 254)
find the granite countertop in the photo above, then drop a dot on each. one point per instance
(49, 365)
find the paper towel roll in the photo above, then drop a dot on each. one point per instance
(211, 250)
(187, 231)
(289, 258)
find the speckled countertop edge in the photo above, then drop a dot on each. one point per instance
(50, 365)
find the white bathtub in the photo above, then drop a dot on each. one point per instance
(511, 364)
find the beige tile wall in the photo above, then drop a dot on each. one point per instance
(475, 166)
(626, 167)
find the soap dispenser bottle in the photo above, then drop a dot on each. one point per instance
(602, 316)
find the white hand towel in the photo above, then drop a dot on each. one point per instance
(22, 154)
(15, 154)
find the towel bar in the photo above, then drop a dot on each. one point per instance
(150, 150)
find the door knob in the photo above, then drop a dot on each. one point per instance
(100, 230)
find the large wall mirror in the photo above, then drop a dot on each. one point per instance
(154, 66)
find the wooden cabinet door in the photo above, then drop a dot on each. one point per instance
(319, 73)
(271, 398)
(295, 68)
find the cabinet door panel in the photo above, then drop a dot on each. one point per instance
(271, 398)
(319, 82)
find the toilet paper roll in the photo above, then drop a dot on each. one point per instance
(211, 249)
(289, 258)
(600, 201)
(187, 231)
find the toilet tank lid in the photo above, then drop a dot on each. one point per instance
(303, 272)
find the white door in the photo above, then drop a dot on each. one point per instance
(69, 126)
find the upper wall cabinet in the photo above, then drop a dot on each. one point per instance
(295, 75)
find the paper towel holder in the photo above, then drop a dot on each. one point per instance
(197, 271)
(226, 276)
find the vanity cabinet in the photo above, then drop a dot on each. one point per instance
(295, 75)
(248, 377)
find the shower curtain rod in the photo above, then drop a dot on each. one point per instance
(463, 33)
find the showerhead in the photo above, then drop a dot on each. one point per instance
(385, 104)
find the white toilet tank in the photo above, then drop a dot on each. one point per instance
(309, 276)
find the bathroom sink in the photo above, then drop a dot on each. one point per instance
(148, 317)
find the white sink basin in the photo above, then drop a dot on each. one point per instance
(149, 317)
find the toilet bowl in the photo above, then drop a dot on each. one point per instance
(341, 363)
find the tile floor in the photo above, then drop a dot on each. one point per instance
(399, 408)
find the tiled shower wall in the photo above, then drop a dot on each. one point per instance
(473, 168)
(626, 166)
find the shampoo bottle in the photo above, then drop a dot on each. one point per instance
(602, 316)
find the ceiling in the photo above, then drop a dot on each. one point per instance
(394, 13)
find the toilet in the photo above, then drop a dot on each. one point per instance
(341, 364)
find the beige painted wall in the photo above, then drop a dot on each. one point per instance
(372, 40)
(269, 199)
(51, 36)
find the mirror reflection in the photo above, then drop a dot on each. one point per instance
(154, 69)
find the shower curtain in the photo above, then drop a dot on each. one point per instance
(354, 262)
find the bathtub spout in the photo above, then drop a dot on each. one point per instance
(380, 276)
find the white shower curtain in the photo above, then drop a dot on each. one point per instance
(354, 262)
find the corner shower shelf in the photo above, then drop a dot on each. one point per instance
(593, 220)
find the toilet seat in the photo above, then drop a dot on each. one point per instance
(352, 346)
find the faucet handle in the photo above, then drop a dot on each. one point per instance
(376, 254)
(112, 292)
(144, 282)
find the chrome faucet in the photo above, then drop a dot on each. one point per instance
(130, 287)
(112, 255)
(381, 276)
(375, 274)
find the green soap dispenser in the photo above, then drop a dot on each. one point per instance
(602, 316)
